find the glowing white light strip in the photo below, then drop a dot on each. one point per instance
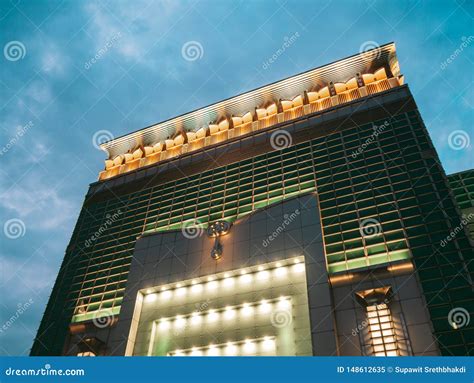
(265, 345)
(245, 309)
(262, 273)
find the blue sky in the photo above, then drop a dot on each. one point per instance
(53, 99)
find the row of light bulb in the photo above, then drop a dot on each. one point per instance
(228, 313)
(248, 347)
(228, 281)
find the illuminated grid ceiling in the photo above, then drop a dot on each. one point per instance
(259, 310)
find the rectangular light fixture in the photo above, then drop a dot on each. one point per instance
(382, 331)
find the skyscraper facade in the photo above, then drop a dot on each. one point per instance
(311, 216)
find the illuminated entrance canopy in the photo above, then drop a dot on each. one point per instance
(259, 310)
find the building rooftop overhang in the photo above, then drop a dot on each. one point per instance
(140, 148)
(338, 71)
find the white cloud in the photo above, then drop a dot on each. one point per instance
(38, 203)
(52, 63)
(31, 276)
(140, 24)
(39, 92)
